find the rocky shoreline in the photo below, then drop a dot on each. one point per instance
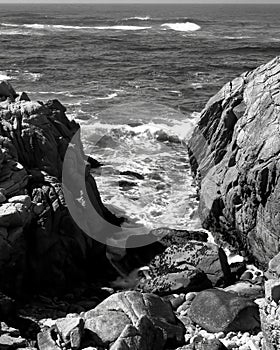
(60, 288)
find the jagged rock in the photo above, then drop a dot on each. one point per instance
(70, 328)
(234, 152)
(144, 336)
(41, 247)
(219, 311)
(46, 341)
(6, 90)
(124, 312)
(7, 342)
(22, 97)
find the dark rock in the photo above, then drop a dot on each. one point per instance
(107, 141)
(93, 162)
(234, 153)
(219, 311)
(132, 174)
(6, 90)
(126, 185)
(41, 246)
(187, 267)
(205, 344)
(22, 97)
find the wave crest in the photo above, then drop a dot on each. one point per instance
(182, 27)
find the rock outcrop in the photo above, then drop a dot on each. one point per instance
(235, 155)
(41, 247)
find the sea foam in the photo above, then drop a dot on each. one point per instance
(182, 27)
(145, 18)
(122, 28)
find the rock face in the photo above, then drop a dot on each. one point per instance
(37, 233)
(235, 154)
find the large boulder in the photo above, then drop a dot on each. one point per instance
(187, 266)
(134, 318)
(235, 155)
(219, 311)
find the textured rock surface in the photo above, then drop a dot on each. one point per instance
(235, 154)
(37, 233)
(123, 311)
(218, 311)
(187, 266)
(270, 320)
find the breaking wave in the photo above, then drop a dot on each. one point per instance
(182, 27)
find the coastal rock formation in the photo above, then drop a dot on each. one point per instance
(41, 247)
(127, 320)
(187, 266)
(218, 311)
(235, 155)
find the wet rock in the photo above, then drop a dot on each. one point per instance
(6, 90)
(107, 141)
(132, 174)
(22, 97)
(234, 153)
(218, 311)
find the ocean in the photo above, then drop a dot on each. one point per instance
(136, 77)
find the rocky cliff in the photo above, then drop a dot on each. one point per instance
(41, 248)
(235, 155)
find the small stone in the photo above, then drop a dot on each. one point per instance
(272, 290)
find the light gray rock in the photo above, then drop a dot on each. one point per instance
(131, 313)
(219, 311)
(235, 154)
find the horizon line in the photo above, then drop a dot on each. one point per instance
(45, 2)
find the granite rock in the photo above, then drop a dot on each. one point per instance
(234, 152)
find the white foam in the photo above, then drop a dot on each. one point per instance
(32, 76)
(145, 18)
(182, 27)
(5, 76)
(122, 28)
(109, 97)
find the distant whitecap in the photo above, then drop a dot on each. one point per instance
(182, 27)
(122, 28)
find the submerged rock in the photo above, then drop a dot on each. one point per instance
(235, 155)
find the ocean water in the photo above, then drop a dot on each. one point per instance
(136, 78)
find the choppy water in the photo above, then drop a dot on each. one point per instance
(130, 72)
